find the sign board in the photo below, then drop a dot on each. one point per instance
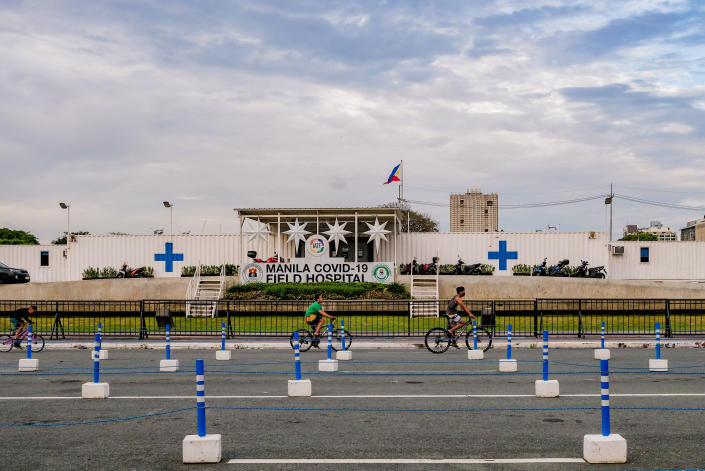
(318, 266)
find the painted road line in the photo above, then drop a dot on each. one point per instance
(408, 461)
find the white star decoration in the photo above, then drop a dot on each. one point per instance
(336, 233)
(377, 233)
(297, 232)
(260, 232)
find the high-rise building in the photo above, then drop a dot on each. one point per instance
(655, 227)
(694, 230)
(474, 212)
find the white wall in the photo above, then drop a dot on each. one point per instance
(29, 257)
(667, 261)
(532, 247)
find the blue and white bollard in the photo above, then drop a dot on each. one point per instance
(509, 364)
(329, 364)
(298, 387)
(102, 352)
(168, 364)
(602, 353)
(475, 353)
(545, 387)
(607, 447)
(345, 354)
(658, 364)
(95, 389)
(29, 363)
(222, 354)
(202, 448)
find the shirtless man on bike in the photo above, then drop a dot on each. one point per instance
(314, 317)
(19, 320)
(456, 321)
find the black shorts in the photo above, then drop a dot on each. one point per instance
(315, 322)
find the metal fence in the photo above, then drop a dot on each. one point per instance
(363, 318)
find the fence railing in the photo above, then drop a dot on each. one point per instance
(363, 318)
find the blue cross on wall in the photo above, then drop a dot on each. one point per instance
(169, 257)
(502, 255)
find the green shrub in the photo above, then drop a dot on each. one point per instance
(91, 273)
(486, 269)
(446, 269)
(189, 270)
(210, 270)
(523, 269)
(306, 291)
(108, 272)
(148, 272)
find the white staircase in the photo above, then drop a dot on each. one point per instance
(424, 290)
(203, 294)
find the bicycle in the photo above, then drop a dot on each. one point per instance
(7, 342)
(438, 339)
(306, 338)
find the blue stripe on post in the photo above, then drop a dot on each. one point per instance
(96, 360)
(602, 336)
(29, 342)
(474, 335)
(168, 342)
(342, 333)
(658, 340)
(200, 398)
(545, 355)
(330, 341)
(297, 356)
(605, 396)
(100, 333)
(509, 342)
(222, 336)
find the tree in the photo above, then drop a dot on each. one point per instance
(10, 237)
(645, 236)
(419, 222)
(62, 240)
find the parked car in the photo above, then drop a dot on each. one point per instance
(13, 275)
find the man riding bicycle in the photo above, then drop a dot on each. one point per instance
(19, 320)
(314, 317)
(455, 319)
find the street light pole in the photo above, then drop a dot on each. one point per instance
(169, 205)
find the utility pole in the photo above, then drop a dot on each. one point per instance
(609, 200)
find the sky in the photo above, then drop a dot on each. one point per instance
(116, 106)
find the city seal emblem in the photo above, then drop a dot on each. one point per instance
(252, 273)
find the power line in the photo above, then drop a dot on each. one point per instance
(660, 203)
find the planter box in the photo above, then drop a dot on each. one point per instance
(522, 274)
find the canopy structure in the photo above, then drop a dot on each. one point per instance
(282, 221)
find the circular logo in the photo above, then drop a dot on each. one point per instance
(316, 245)
(252, 273)
(381, 273)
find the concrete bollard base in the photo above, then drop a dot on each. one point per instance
(327, 365)
(223, 354)
(658, 365)
(95, 391)
(601, 354)
(169, 365)
(207, 449)
(601, 449)
(548, 388)
(343, 355)
(28, 364)
(507, 366)
(299, 387)
(476, 355)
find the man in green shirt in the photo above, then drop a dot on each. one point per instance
(314, 317)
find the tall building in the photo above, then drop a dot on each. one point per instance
(655, 227)
(694, 230)
(474, 212)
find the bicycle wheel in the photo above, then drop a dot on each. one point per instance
(6, 343)
(437, 340)
(37, 343)
(338, 340)
(484, 339)
(305, 340)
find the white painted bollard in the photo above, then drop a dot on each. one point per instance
(345, 354)
(329, 364)
(102, 353)
(602, 353)
(168, 364)
(222, 354)
(202, 448)
(658, 364)
(545, 387)
(475, 353)
(508, 365)
(608, 447)
(29, 363)
(96, 389)
(298, 387)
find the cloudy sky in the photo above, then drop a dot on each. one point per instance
(117, 106)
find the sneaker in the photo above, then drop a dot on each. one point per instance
(315, 343)
(17, 345)
(454, 344)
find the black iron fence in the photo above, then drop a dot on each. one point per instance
(363, 318)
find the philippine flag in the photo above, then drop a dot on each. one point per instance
(394, 176)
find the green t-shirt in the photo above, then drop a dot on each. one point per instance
(313, 309)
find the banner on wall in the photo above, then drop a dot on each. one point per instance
(318, 266)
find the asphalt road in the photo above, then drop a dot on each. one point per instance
(258, 427)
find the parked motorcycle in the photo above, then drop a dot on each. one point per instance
(275, 259)
(559, 269)
(594, 272)
(406, 268)
(427, 268)
(462, 269)
(541, 270)
(125, 272)
(582, 271)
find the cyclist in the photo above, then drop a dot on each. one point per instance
(314, 317)
(455, 319)
(19, 320)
